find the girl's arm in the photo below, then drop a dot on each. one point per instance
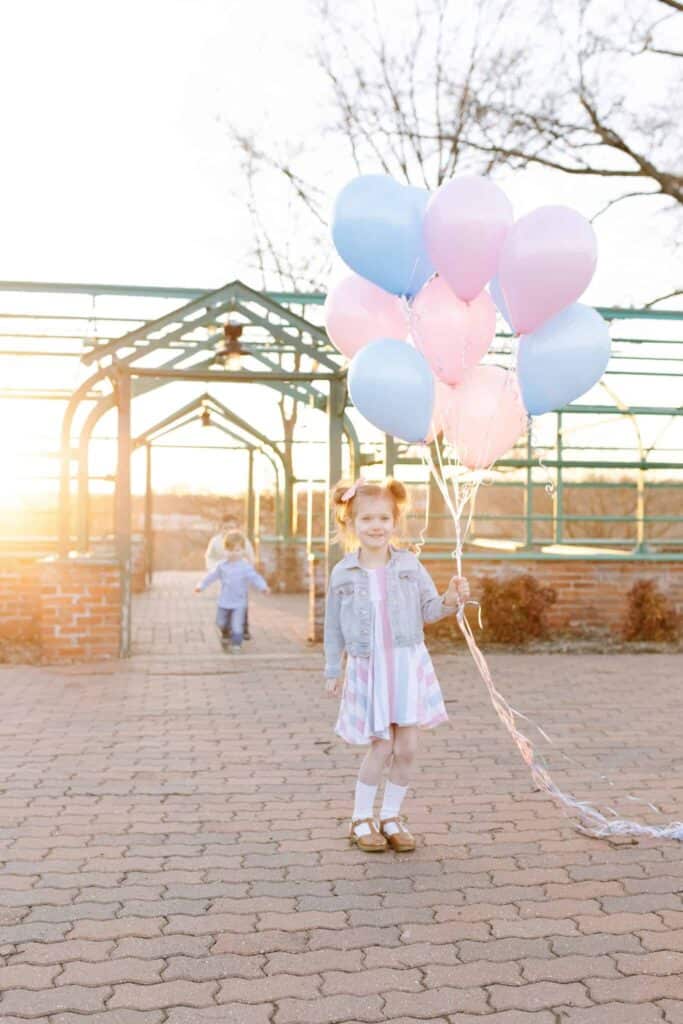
(433, 606)
(334, 638)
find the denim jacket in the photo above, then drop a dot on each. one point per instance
(411, 596)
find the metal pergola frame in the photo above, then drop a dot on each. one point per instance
(193, 412)
(185, 340)
(179, 328)
(180, 344)
(123, 377)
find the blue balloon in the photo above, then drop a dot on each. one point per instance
(393, 387)
(496, 293)
(377, 231)
(562, 359)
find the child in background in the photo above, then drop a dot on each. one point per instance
(236, 575)
(215, 553)
(378, 598)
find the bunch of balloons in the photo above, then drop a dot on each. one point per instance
(415, 318)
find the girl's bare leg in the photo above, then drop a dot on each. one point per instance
(404, 753)
(374, 761)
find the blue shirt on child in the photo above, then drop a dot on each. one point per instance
(235, 579)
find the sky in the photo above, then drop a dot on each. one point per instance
(122, 170)
(118, 168)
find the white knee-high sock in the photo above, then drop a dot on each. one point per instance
(391, 803)
(363, 805)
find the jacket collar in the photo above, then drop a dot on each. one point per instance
(351, 561)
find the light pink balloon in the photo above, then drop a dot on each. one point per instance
(546, 263)
(444, 396)
(465, 226)
(357, 312)
(451, 334)
(487, 416)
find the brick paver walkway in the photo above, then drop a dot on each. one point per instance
(173, 837)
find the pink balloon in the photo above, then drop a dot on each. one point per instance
(443, 399)
(546, 263)
(357, 312)
(486, 417)
(451, 334)
(464, 229)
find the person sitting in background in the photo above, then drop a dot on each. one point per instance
(215, 553)
(235, 575)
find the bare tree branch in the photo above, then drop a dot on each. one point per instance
(662, 298)
(457, 89)
(619, 199)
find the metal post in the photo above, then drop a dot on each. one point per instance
(529, 494)
(149, 533)
(558, 511)
(81, 392)
(83, 497)
(354, 451)
(64, 522)
(390, 454)
(277, 499)
(257, 525)
(309, 516)
(295, 510)
(335, 424)
(288, 498)
(641, 544)
(83, 489)
(250, 495)
(123, 506)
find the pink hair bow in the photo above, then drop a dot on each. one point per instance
(351, 492)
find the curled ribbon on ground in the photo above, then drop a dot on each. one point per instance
(591, 820)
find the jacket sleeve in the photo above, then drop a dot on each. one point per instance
(431, 601)
(334, 638)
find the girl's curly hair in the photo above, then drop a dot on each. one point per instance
(344, 507)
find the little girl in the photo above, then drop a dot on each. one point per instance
(378, 598)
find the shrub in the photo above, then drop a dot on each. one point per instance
(514, 609)
(650, 615)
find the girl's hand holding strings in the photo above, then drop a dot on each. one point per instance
(458, 592)
(332, 687)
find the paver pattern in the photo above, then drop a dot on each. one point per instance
(173, 841)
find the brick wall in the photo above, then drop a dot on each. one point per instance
(19, 598)
(80, 609)
(591, 594)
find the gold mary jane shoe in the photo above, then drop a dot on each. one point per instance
(402, 841)
(372, 843)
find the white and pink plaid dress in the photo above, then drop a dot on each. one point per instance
(395, 685)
